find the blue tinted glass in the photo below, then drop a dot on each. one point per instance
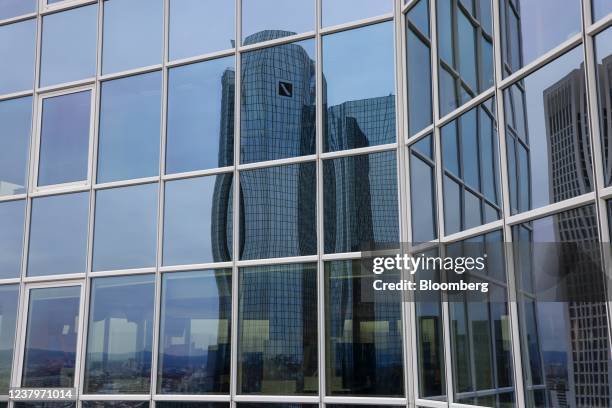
(364, 115)
(58, 235)
(200, 132)
(120, 335)
(129, 128)
(277, 109)
(601, 8)
(452, 206)
(603, 54)
(418, 69)
(16, 120)
(69, 45)
(195, 332)
(9, 296)
(14, 8)
(360, 202)
(264, 20)
(278, 207)
(17, 52)
(553, 159)
(418, 15)
(198, 220)
(535, 27)
(363, 334)
(422, 190)
(125, 232)
(133, 34)
(64, 139)
(277, 339)
(342, 11)
(51, 337)
(200, 26)
(11, 238)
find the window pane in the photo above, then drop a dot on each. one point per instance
(115, 404)
(133, 34)
(64, 139)
(16, 119)
(195, 332)
(563, 308)
(278, 209)
(200, 116)
(169, 404)
(130, 116)
(17, 53)
(342, 11)
(14, 8)
(553, 158)
(199, 27)
(9, 297)
(120, 335)
(45, 405)
(69, 45)
(535, 27)
(418, 67)
(364, 115)
(363, 334)
(58, 235)
(51, 338)
(360, 202)
(267, 405)
(198, 220)
(125, 234)
(471, 167)
(603, 53)
(12, 215)
(601, 8)
(277, 109)
(277, 339)
(264, 20)
(465, 41)
(422, 192)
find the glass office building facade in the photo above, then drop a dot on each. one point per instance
(187, 188)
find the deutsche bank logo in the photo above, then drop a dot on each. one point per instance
(285, 89)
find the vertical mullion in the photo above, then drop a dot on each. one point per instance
(319, 201)
(507, 231)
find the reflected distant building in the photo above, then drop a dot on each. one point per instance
(605, 99)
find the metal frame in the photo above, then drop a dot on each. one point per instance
(599, 196)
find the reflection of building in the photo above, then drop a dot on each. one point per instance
(605, 99)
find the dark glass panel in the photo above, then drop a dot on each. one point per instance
(69, 45)
(360, 202)
(363, 115)
(273, 405)
(17, 53)
(133, 34)
(125, 233)
(465, 44)
(12, 215)
(58, 235)
(531, 28)
(423, 191)
(343, 11)
(120, 335)
(277, 109)
(277, 330)
(45, 405)
(363, 334)
(115, 404)
(16, 119)
(130, 116)
(169, 404)
(198, 220)
(195, 332)
(200, 116)
(603, 56)
(9, 297)
(278, 211)
(547, 134)
(418, 67)
(200, 27)
(51, 337)
(280, 17)
(64, 139)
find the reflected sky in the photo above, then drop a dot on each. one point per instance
(17, 53)
(16, 120)
(342, 11)
(295, 16)
(13, 8)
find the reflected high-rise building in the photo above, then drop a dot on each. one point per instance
(605, 86)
